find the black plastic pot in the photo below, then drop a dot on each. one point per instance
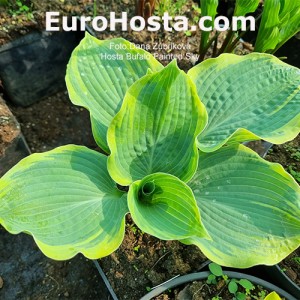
(203, 275)
(280, 278)
(34, 66)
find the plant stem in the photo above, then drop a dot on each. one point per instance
(227, 41)
(215, 49)
(203, 52)
(95, 8)
(240, 35)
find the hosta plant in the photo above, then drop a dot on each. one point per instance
(173, 141)
(280, 21)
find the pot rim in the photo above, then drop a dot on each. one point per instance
(202, 275)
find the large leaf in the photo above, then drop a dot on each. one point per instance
(99, 74)
(248, 97)
(249, 207)
(243, 7)
(280, 21)
(165, 207)
(66, 200)
(156, 128)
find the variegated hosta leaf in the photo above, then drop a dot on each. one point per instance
(156, 128)
(249, 207)
(165, 207)
(66, 200)
(99, 74)
(248, 97)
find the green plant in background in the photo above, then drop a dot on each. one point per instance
(295, 173)
(232, 284)
(297, 260)
(241, 289)
(20, 8)
(173, 7)
(95, 5)
(280, 20)
(173, 139)
(3, 2)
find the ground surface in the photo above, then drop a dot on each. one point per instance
(142, 261)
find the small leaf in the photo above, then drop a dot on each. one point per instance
(240, 296)
(156, 128)
(164, 207)
(98, 75)
(249, 97)
(66, 200)
(249, 207)
(215, 269)
(211, 279)
(246, 284)
(232, 287)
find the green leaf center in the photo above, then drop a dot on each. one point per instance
(147, 191)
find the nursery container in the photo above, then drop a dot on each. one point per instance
(280, 278)
(34, 66)
(176, 282)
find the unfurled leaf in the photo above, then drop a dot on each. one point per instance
(156, 128)
(66, 200)
(280, 21)
(249, 207)
(99, 74)
(247, 97)
(165, 207)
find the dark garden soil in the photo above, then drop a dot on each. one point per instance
(291, 266)
(54, 122)
(142, 261)
(25, 273)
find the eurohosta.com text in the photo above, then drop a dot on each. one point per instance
(56, 22)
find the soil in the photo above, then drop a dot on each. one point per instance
(288, 155)
(54, 122)
(9, 127)
(142, 261)
(25, 273)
